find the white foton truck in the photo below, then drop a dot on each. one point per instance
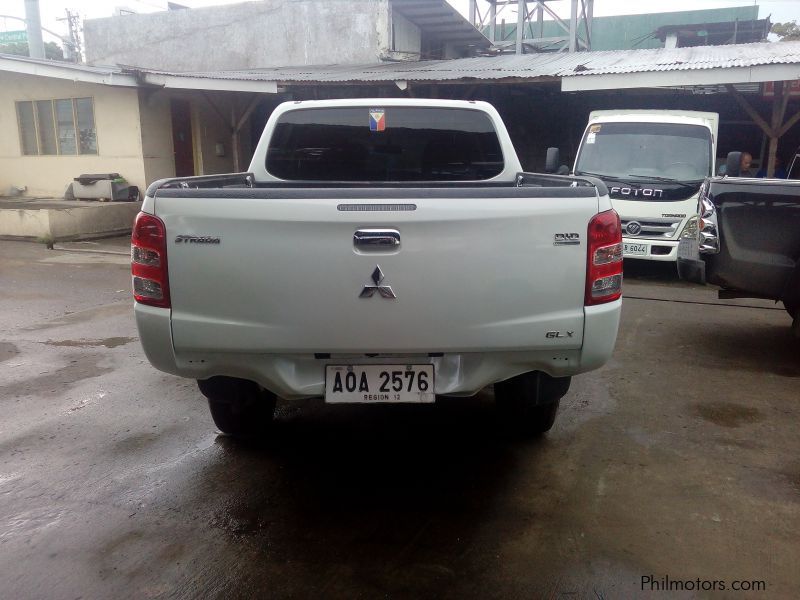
(378, 251)
(653, 162)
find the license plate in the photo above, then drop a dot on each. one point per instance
(379, 383)
(634, 249)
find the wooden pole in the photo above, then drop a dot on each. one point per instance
(234, 136)
(776, 128)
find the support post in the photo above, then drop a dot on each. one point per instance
(573, 26)
(779, 103)
(521, 14)
(540, 20)
(234, 136)
(589, 16)
(492, 21)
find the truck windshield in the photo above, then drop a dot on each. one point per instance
(636, 151)
(352, 144)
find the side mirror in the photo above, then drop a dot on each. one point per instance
(552, 160)
(563, 170)
(732, 164)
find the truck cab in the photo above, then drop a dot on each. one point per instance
(653, 162)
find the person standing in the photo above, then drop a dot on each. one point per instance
(780, 170)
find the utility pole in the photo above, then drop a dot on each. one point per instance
(73, 42)
(34, 26)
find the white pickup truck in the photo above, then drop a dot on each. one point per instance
(382, 250)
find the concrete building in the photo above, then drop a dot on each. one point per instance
(38, 150)
(273, 33)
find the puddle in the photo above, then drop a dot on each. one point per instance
(727, 414)
(84, 316)
(787, 371)
(7, 350)
(88, 259)
(8, 477)
(29, 522)
(84, 367)
(111, 342)
(86, 401)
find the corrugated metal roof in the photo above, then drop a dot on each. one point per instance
(528, 66)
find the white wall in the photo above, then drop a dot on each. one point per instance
(407, 38)
(116, 115)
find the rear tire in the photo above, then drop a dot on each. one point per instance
(528, 403)
(239, 407)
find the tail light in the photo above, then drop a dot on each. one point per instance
(604, 268)
(149, 261)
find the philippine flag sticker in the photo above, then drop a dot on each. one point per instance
(377, 119)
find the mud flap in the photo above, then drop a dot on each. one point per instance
(690, 266)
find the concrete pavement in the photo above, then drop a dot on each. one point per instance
(679, 459)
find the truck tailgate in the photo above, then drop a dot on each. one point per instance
(476, 269)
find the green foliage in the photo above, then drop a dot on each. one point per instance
(51, 50)
(787, 32)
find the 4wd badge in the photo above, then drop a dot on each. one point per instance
(566, 239)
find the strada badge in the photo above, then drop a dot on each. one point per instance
(195, 239)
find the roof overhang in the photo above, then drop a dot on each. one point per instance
(69, 71)
(188, 82)
(686, 77)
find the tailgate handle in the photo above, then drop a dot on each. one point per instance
(376, 239)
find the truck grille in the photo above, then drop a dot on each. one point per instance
(650, 227)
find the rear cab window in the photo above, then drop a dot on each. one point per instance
(376, 144)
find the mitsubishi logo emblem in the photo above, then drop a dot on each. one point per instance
(384, 290)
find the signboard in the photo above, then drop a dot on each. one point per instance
(12, 37)
(768, 88)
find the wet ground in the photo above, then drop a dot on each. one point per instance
(680, 459)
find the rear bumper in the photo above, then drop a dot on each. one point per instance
(296, 376)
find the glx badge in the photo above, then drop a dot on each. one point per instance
(559, 334)
(384, 290)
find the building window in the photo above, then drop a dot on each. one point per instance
(52, 127)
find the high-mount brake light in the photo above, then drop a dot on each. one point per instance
(604, 259)
(149, 261)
